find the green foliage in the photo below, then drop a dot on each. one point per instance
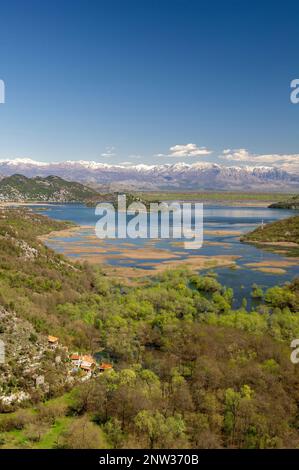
(281, 297)
(160, 432)
(190, 371)
(286, 230)
(257, 292)
(49, 189)
(206, 284)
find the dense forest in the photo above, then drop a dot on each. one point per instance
(189, 370)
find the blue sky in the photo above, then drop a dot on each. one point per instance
(126, 80)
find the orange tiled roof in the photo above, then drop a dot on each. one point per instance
(52, 339)
(106, 366)
(74, 357)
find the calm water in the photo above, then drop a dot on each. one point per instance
(216, 218)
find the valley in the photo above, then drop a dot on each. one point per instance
(156, 314)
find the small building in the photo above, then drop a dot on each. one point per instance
(105, 366)
(76, 359)
(53, 341)
(88, 358)
(87, 366)
(84, 362)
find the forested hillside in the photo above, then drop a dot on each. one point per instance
(286, 230)
(289, 203)
(19, 188)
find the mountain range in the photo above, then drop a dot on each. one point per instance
(196, 176)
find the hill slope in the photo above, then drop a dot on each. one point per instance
(50, 189)
(281, 231)
(53, 189)
(184, 359)
(292, 203)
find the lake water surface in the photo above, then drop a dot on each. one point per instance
(222, 228)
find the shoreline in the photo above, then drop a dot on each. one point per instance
(156, 260)
(282, 244)
(136, 262)
(208, 202)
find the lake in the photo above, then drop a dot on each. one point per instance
(223, 226)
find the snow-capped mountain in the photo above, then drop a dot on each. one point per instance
(197, 176)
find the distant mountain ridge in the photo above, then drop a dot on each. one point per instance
(202, 175)
(50, 189)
